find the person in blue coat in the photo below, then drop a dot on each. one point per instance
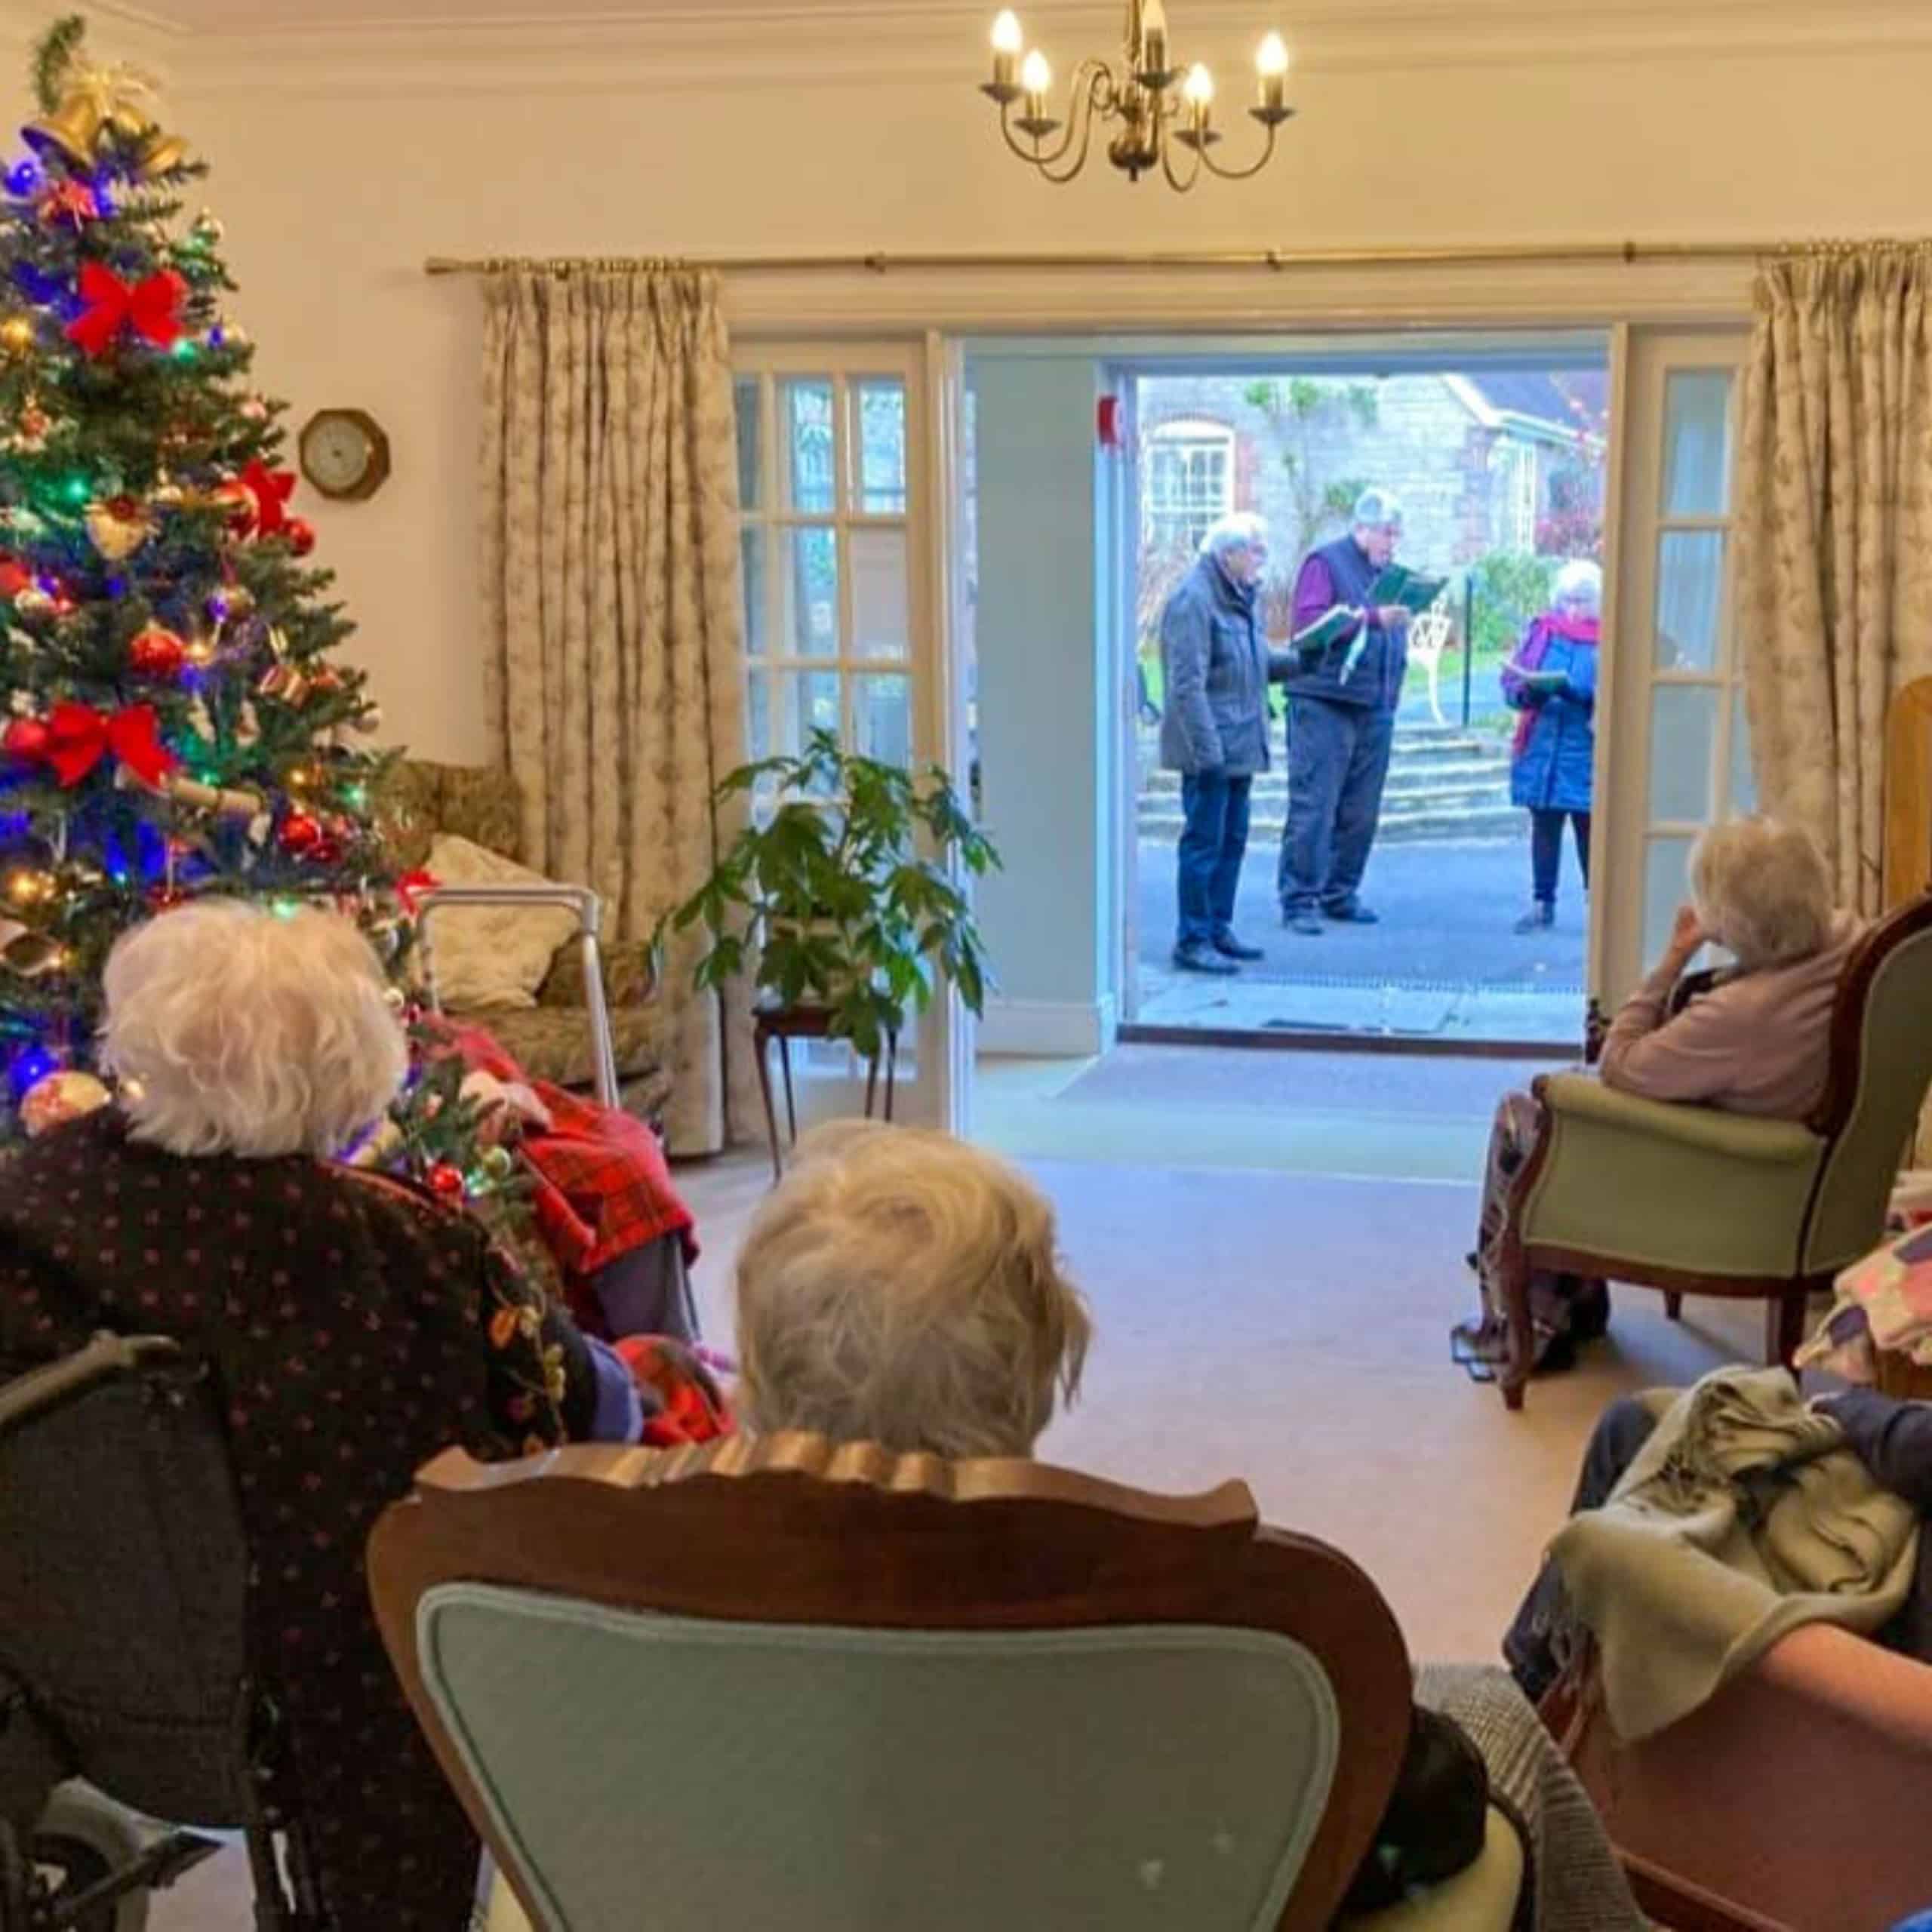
(1551, 682)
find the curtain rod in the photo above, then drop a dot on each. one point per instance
(1276, 259)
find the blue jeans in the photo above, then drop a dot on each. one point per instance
(1338, 762)
(1213, 842)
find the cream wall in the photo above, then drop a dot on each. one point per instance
(343, 157)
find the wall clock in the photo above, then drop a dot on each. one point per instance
(345, 453)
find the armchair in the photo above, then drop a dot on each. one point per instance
(1724, 1820)
(840, 1689)
(618, 1052)
(1694, 1201)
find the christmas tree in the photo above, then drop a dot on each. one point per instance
(178, 722)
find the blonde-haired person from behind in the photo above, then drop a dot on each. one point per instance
(351, 1327)
(902, 1287)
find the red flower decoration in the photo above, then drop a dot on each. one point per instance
(71, 201)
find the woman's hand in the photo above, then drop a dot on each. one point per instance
(1686, 935)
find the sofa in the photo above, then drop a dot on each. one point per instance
(555, 1040)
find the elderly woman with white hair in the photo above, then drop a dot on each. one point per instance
(1217, 667)
(1753, 1038)
(352, 1327)
(1551, 682)
(902, 1287)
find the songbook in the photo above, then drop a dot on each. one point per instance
(1312, 641)
(1398, 584)
(1539, 681)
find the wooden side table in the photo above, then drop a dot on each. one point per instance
(784, 1024)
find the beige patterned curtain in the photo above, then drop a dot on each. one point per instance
(610, 568)
(1835, 537)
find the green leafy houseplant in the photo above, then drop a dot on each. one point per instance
(846, 896)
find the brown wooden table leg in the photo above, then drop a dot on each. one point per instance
(891, 1069)
(762, 1047)
(872, 1083)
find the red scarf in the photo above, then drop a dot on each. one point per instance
(1535, 647)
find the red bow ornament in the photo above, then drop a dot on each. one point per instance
(268, 491)
(79, 737)
(150, 308)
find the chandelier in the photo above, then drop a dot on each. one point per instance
(1156, 103)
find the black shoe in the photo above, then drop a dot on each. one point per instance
(1303, 921)
(1196, 955)
(1230, 947)
(1543, 914)
(1353, 914)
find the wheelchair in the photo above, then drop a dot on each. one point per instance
(126, 1695)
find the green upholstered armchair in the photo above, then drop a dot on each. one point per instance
(1695, 1202)
(559, 1039)
(899, 1692)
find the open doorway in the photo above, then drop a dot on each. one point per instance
(1498, 458)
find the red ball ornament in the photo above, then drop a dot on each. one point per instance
(300, 833)
(327, 851)
(157, 653)
(301, 535)
(239, 501)
(445, 1180)
(25, 739)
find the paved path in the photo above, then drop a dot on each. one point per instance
(1443, 963)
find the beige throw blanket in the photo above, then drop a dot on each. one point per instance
(1744, 1517)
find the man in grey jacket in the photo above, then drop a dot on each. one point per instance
(1214, 730)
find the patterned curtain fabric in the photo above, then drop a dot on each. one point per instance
(1835, 537)
(611, 569)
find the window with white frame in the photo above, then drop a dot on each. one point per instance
(825, 560)
(1190, 481)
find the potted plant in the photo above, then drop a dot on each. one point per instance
(845, 894)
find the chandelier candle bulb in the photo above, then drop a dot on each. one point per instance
(1271, 67)
(1036, 77)
(1007, 43)
(1155, 71)
(1199, 94)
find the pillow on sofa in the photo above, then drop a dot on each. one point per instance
(490, 956)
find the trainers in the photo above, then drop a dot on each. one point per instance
(1353, 914)
(1230, 947)
(1541, 915)
(1303, 921)
(1196, 955)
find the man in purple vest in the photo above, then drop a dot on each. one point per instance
(1341, 722)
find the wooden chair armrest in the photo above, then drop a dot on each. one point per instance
(1856, 1680)
(1581, 1097)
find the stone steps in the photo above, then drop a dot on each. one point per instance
(1397, 826)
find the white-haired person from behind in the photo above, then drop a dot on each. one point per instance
(901, 1287)
(1216, 667)
(352, 1328)
(1551, 684)
(1755, 1040)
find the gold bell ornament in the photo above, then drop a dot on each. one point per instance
(160, 154)
(71, 130)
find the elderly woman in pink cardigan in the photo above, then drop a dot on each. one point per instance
(1758, 1041)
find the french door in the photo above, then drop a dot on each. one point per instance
(1676, 757)
(840, 452)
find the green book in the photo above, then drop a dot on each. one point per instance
(1333, 624)
(1411, 589)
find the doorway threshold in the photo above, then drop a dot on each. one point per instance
(1316, 1038)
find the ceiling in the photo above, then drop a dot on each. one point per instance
(249, 16)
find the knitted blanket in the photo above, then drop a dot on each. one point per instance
(1744, 1516)
(1573, 1882)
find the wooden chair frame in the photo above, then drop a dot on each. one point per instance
(762, 1529)
(1785, 1295)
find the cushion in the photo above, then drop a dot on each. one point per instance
(491, 956)
(1482, 1899)
(418, 799)
(553, 1043)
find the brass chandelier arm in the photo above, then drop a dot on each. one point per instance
(1090, 93)
(1241, 174)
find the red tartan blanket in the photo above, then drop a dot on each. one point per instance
(603, 1185)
